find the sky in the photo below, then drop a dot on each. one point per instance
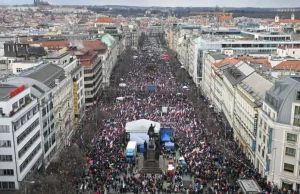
(169, 3)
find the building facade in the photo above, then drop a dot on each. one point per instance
(21, 140)
(110, 60)
(248, 99)
(73, 68)
(93, 73)
(278, 145)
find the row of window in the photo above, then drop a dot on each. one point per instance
(5, 143)
(49, 143)
(25, 118)
(6, 172)
(4, 185)
(79, 75)
(264, 137)
(5, 158)
(27, 131)
(47, 109)
(28, 144)
(30, 157)
(4, 129)
(262, 151)
(20, 102)
(290, 136)
(48, 131)
(88, 71)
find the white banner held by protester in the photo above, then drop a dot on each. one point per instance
(165, 109)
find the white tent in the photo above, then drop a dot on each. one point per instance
(122, 85)
(140, 138)
(141, 126)
(185, 87)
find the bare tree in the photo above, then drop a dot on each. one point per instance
(142, 39)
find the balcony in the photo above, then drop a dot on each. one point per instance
(27, 102)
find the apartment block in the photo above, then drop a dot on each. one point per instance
(21, 139)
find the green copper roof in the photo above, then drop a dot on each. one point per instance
(107, 39)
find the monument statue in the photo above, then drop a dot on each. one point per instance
(151, 132)
(151, 162)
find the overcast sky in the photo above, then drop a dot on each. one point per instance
(170, 3)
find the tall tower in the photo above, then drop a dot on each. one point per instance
(277, 19)
(293, 16)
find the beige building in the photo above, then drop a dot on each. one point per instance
(248, 99)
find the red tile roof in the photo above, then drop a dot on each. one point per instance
(104, 20)
(56, 45)
(263, 61)
(288, 65)
(94, 44)
(227, 60)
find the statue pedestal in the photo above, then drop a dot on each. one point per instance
(151, 145)
(151, 164)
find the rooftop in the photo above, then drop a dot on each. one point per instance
(56, 55)
(104, 20)
(281, 96)
(254, 31)
(5, 89)
(217, 55)
(257, 91)
(45, 73)
(227, 60)
(288, 65)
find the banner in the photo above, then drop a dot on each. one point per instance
(76, 111)
(164, 109)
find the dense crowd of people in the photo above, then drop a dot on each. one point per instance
(214, 160)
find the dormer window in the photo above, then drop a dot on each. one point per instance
(298, 95)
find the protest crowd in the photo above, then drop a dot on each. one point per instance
(214, 160)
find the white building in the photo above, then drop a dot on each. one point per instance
(61, 84)
(155, 29)
(46, 109)
(209, 59)
(110, 59)
(249, 96)
(17, 66)
(233, 76)
(20, 140)
(73, 68)
(293, 52)
(278, 150)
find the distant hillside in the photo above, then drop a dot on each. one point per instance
(284, 13)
